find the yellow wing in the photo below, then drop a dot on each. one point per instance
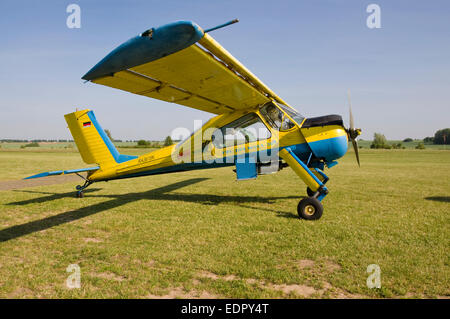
(182, 64)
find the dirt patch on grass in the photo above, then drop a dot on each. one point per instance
(299, 290)
(20, 293)
(304, 263)
(210, 275)
(179, 292)
(92, 240)
(52, 180)
(331, 266)
(150, 264)
(252, 281)
(324, 265)
(327, 290)
(109, 276)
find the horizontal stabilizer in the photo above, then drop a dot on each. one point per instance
(73, 171)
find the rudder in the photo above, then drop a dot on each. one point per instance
(92, 142)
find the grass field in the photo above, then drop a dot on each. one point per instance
(407, 145)
(202, 234)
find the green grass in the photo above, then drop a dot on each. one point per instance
(161, 234)
(407, 145)
(60, 146)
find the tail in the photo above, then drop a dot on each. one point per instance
(92, 142)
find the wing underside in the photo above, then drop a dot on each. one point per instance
(196, 72)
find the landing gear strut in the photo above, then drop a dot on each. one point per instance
(81, 188)
(311, 207)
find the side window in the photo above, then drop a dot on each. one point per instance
(277, 119)
(272, 115)
(286, 124)
(246, 129)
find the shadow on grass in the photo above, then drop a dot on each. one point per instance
(160, 193)
(278, 212)
(445, 199)
(52, 196)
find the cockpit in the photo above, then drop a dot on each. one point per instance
(280, 117)
(250, 127)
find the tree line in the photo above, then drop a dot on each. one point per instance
(441, 137)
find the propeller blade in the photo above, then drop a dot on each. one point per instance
(352, 126)
(355, 147)
(352, 132)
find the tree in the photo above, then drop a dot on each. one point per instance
(168, 141)
(428, 140)
(108, 132)
(408, 139)
(442, 136)
(420, 146)
(379, 141)
(142, 143)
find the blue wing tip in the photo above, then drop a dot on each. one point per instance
(165, 40)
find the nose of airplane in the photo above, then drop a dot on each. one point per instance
(332, 147)
(326, 136)
(337, 147)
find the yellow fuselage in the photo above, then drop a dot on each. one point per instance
(197, 152)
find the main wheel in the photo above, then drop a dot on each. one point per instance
(309, 191)
(310, 208)
(80, 194)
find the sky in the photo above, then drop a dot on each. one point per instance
(308, 52)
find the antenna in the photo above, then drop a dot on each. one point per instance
(222, 25)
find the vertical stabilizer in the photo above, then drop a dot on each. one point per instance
(92, 142)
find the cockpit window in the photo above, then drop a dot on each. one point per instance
(276, 118)
(272, 115)
(294, 114)
(246, 129)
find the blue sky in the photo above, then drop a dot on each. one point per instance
(309, 52)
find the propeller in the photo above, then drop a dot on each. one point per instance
(351, 131)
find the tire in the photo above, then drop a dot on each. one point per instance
(310, 208)
(80, 194)
(309, 192)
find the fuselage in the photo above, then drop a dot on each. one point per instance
(316, 141)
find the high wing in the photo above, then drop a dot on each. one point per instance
(182, 64)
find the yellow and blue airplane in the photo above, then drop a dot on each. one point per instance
(254, 130)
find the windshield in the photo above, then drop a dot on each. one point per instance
(275, 115)
(294, 114)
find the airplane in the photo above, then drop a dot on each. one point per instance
(254, 130)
